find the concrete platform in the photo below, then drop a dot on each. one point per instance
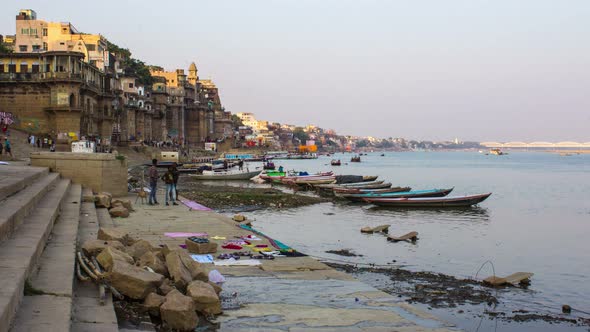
(285, 294)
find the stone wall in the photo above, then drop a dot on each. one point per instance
(26, 102)
(99, 171)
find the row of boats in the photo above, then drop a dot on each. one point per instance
(370, 190)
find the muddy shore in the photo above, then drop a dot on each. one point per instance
(437, 290)
(225, 198)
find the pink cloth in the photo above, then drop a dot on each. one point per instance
(181, 234)
(193, 205)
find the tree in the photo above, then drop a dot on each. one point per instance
(362, 143)
(139, 69)
(236, 121)
(5, 49)
(300, 134)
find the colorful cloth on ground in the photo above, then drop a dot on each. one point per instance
(183, 234)
(202, 258)
(275, 243)
(193, 205)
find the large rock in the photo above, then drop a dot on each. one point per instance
(133, 281)
(126, 203)
(119, 211)
(200, 248)
(115, 234)
(107, 257)
(216, 287)
(179, 273)
(139, 248)
(153, 302)
(152, 261)
(166, 287)
(94, 247)
(178, 312)
(103, 200)
(197, 270)
(205, 298)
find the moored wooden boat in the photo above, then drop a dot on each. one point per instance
(403, 194)
(429, 202)
(363, 190)
(367, 186)
(335, 162)
(360, 184)
(225, 175)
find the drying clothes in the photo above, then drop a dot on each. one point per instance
(202, 258)
(183, 234)
(251, 237)
(232, 246)
(216, 237)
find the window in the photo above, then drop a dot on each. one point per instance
(1, 67)
(22, 48)
(45, 46)
(45, 32)
(36, 48)
(24, 31)
(130, 85)
(12, 68)
(91, 47)
(33, 32)
(24, 67)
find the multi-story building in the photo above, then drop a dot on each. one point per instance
(34, 35)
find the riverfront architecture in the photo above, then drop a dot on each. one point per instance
(60, 83)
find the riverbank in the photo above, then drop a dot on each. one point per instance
(286, 293)
(231, 198)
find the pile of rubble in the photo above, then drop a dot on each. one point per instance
(117, 207)
(170, 284)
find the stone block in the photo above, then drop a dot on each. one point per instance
(109, 255)
(200, 248)
(94, 247)
(133, 281)
(204, 297)
(178, 312)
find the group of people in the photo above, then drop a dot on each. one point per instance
(170, 178)
(42, 142)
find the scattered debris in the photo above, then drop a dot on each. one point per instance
(515, 279)
(411, 236)
(343, 252)
(378, 229)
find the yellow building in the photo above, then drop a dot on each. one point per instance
(34, 35)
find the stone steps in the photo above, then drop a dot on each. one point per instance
(88, 314)
(14, 178)
(20, 204)
(51, 311)
(28, 219)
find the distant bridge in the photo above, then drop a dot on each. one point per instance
(525, 145)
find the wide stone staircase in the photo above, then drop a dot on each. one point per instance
(42, 221)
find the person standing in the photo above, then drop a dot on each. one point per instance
(1, 147)
(168, 178)
(7, 147)
(175, 174)
(153, 175)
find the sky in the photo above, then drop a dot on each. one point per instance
(479, 70)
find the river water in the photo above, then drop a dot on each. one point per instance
(537, 220)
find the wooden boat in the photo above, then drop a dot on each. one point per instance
(402, 194)
(269, 166)
(335, 162)
(366, 186)
(363, 190)
(367, 178)
(428, 202)
(163, 164)
(360, 184)
(307, 182)
(355, 159)
(277, 176)
(225, 175)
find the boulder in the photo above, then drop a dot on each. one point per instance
(179, 273)
(205, 298)
(178, 312)
(216, 287)
(166, 287)
(153, 302)
(200, 248)
(107, 257)
(196, 269)
(119, 211)
(115, 234)
(102, 200)
(133, 281)
(139, 248)
(126, 203)
(152, 261)
(94, 247)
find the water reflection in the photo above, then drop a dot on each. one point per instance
(472, 214)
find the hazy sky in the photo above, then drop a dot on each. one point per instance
(438, 69)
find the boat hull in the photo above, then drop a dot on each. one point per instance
(445, 202)
(408, 194)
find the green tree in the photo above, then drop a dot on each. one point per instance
(139, 69)
(5, 49)
(236, 121)
(300, 134)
